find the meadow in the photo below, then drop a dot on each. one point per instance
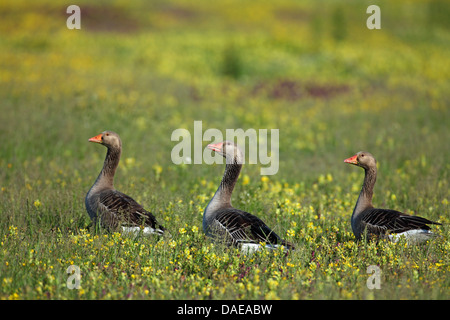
(311, 69)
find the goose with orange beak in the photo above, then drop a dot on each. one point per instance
(226, 224)
(372, 222)
(114, 209)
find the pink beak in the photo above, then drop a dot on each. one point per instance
(215, 147)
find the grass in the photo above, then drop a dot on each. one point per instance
(145, 69)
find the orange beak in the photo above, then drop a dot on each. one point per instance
(97, 139)
(215, 147)
(352, 160)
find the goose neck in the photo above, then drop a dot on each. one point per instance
(366, 194)
(106, 176)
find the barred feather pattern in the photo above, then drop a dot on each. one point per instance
(114, 209)
(236, 227)
(119, 209)
(382, 223)
(226, 224)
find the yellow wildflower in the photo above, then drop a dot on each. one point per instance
(37, 204)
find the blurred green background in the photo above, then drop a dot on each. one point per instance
(145, 68)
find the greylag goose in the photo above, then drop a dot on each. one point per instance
(223, 222)
(383, 223)
(113, 208)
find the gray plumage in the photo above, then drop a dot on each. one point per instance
(114, 209)
(382, 223)
(223, 222)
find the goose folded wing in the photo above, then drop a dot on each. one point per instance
(118, 206)
(242, 226)
(381, 221)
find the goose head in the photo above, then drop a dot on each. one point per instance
(229, 150)
(362, 159)
(109, 139)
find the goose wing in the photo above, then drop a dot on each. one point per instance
(118, 208)
(238, 226)
(382, 221)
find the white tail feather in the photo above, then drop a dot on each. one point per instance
(250, 248)
(413, 236)
(134, 231)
